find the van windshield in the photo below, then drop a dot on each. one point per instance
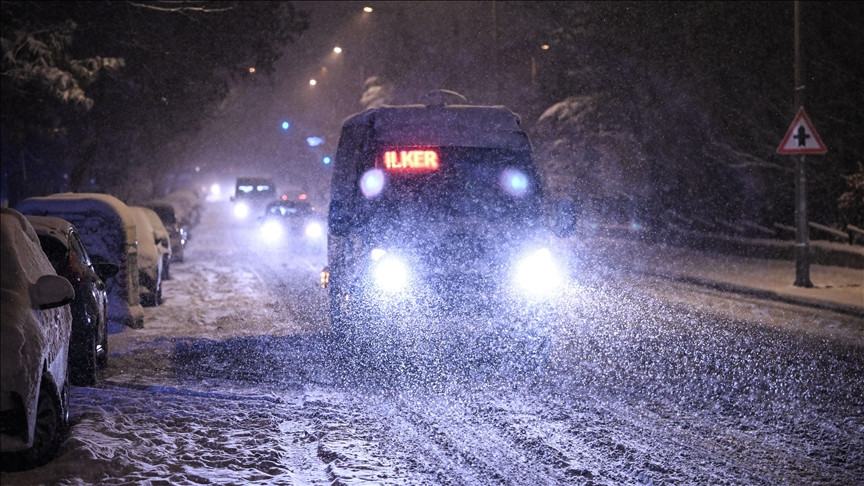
(445, 182)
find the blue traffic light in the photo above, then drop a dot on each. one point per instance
(286, 125)
(326, 160)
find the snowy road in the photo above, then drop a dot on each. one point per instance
(234, 380)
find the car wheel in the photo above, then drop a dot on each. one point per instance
(52, 418)
(83, 360)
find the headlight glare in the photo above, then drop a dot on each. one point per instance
(314, 230)
(537, 273)
(272, 231)
(390, 274)
(241, 210)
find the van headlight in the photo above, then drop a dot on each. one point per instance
(241, 210)
(389, 272)
(537, 273)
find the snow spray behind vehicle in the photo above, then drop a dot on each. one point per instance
(436, 206)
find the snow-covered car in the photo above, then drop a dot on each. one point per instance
(149, 259)
(88, 348)
(107, 228)
(251, 195)
(292, 224)
(188, 206)
(163, 240)
(35, 324)
(438, 205)
(178, 234)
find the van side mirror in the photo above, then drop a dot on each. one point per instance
(564, 218)
(340, 221)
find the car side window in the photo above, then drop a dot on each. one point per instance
(56, 253)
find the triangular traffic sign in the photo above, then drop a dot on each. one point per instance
(801, 137)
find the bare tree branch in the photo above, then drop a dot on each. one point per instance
(180, 9)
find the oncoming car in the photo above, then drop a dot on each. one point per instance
(439, 208)
(251, 194)
(293, 224)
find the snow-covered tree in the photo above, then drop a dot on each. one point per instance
(181, 59)
(700, 95)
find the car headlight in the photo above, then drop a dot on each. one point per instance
(389, 272)
(272, 231)
(314, 230)
(241, 210)
(537, 273)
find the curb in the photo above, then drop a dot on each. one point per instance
(764, 294)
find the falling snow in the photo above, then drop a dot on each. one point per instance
(236, 379)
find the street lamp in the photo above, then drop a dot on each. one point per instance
(312, 82)
(337, 50)
(367, 9)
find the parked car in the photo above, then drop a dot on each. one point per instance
(35, 324)
(187, 204)
(177, 232)
(107, 228)
(293, 224)
(149, 260)
(163, 240)
(88, 349)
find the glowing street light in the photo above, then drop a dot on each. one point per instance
(545, 47)
(312, 82)
(251, 70)
(367, 9)
(337, 50)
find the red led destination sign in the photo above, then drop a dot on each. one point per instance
(410, 160)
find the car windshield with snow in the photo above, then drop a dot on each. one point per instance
(436, 207)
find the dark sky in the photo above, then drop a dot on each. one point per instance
(428, 45)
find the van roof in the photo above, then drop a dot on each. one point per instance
(447, 125)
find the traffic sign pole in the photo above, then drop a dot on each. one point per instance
(802, 232)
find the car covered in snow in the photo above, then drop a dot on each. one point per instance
(107, 228)
(437, 207)
(292, 224)
(163, 240)
(35, 324)
(149, 259)
(178, 232)
(188, 206)
(251, 195)
(88, 349)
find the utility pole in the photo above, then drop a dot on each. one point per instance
(802, 232)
